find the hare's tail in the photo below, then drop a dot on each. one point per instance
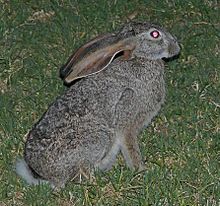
(23, 170)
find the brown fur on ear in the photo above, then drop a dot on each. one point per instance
(95, 55)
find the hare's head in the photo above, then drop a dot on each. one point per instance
(132, 40)
(151, 41)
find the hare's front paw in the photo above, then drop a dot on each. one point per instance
(142, 167)
(131, 152)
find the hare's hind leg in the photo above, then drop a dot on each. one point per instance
(107, 162)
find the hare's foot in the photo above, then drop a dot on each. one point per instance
(131, 152)
(108, 161)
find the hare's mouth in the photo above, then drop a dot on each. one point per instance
(168, 59)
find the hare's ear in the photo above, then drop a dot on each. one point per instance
(95, 55)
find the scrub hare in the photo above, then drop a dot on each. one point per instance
(120, 88)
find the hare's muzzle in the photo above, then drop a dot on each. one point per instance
(173, 49)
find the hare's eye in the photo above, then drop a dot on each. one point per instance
(155, 34)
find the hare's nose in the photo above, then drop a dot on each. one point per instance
(173, 49)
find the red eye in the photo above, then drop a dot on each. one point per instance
(155, 34)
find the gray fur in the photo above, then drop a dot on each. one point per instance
(102, 114)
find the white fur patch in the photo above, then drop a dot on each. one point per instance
(23, 171)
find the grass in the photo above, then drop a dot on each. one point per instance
(181, 147)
